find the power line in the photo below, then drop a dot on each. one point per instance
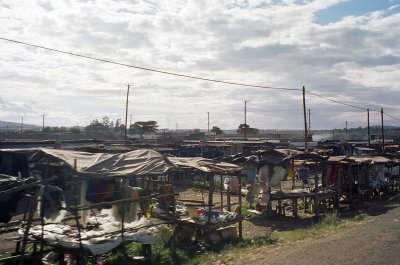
(350, 105)
(335, 101)
(391, 116)
(148, 69)
(187, 76)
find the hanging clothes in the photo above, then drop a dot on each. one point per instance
(263, 174)
(128, 210)
(290, 173)
(52, 203)
(303, 173)
(277, 176)
(264, 193)
(251, 173)
(99, 191)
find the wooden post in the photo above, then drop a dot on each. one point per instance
(222, 194)
(294, 175)
(316, 193)
(305, 121)
(76, 215)
(240, 207)
(210, 201)
(369, 135)
(383, 133)
(228, 198)
(126, 112)
(295, 207)
(338, 190)
(350, 178)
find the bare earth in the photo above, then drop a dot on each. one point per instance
(374, 242)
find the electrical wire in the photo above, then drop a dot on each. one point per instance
(149, 69)
(335, 101)
(188, 76)
(387, 114)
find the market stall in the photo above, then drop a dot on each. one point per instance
(207, 217)
(110, 196)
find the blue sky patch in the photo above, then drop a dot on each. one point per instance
(352, 8)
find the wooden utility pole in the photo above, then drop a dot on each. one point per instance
(305, 121)
(369, 135)
(309, 120)
(126, 112)
(208, 121)
(383, 132)
(245, 119)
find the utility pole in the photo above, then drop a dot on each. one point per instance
(369, 135)
(130, 120)
(43, 124)
(22, 123)
(245, 121)
(346, 139)
(309, 121)
(305, 121)
(208, 121)
(383, 132)
(126, 112)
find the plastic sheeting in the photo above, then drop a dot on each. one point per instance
(135, 163)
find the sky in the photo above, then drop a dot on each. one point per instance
(344, 50)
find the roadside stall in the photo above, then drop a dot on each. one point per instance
(109, 196)
(209, 218)
(304, 171)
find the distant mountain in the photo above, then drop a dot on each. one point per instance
(12, 126)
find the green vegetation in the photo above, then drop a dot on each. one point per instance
(329, 223)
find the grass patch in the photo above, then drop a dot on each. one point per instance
(229, 246)
(161, 254)
(331, 222)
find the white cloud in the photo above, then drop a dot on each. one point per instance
(258, 42)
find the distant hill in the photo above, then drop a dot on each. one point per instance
(13, 126)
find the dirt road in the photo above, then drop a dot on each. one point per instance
(375, 242)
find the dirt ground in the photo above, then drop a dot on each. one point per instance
(376, 241)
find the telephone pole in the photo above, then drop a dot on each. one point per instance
(369, 135)
(245, 121)
(305, 121)
(126, 112)
(130, 120)
(383, 132)
(208, 121)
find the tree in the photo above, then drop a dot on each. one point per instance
(142, 127)
(106, 122)
(217, 130)
(119, 126)
(95, 127)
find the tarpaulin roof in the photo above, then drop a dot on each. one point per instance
(370, 159)
(134, 163)
(203, 164)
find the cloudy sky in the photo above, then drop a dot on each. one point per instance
(345, 50)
